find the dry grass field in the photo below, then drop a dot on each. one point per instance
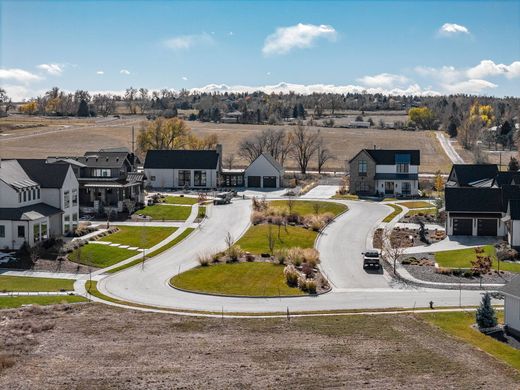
(75, 136)
(92, 346)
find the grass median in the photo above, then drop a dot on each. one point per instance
(397, 210)
(31, 284)
(418, 204)
(139, 236)
(255, 240)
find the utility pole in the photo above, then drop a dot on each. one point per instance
(133, 140)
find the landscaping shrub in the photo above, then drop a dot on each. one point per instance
(215, 258)
(457, 272)
(280, 255)
(250, 257)
(314, 222)
(291, 275)
(203, 260)
(294, 219)
(295, 256)
(327, 218)
(260, 204)
(302, 283)
(308, 270)
(506, 254)
(234, 253)
(444, 271)
(468, 273)
(311, 256)
(311, 286)
(485, 315)
(257, 217)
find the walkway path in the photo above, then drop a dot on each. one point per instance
(449, 149)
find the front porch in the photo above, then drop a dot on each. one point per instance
(109, 198)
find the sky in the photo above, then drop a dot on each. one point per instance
(399, 47)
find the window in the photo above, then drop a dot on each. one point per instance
(74, 197)
(36, 232)
(21, 231)
(199, 178)
(25, 196)
(402, 167)
(101, 172)
(362, 186)
(406, 188)
(66, 199)
(29, 194)
(43, 231)
(66, 224)
(38, 192)
(184, 178)
(19, 197)
(362, 167)
(152, 178)
(75, 219)
(2, 231)
(34, 193)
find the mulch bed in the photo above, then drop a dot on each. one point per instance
(407, 238)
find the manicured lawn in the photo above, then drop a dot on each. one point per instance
(461, 258)
(345, 196)
(139, 236)
(25, 283)
(99, 255)
(416, 204)
(251, 279)
(305, 207)
(458, 324)
(180, 200)
(431, 211)
(202, 212)
(172, 243)
(18, 301)
(255, 239)
(393, 214)
(166, 213)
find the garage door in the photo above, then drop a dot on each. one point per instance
(487, 227)
(253, 181)
(269, 181)
(462, 226)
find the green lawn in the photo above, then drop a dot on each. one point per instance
(140, 236)
(393, 214)
(18, 301)
(431, 211)
(416, 204)
(25, 283)
(461, 258)
(458, 324)
(180, 200)
(99, 255)
(305, 207)
(172, 243)
(166, 213)
(255, 239)
(202, 212)
(345, 196)
(251, 279)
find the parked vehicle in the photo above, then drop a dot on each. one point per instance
(6, 258)
(371, 259)
(223, 198)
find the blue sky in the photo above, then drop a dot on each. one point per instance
(411, 47)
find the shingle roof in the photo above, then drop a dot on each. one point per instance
(473, 199)
(509, 192)
(47, 175)
(388, 156)
(33, 212)
(12, 174)
(181, 159)
(513, 287)
(469, 174)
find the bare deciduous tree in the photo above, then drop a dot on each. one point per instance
(275, 142)
(324, 155)
(306, 144)
(229, 160)
(391, 247)
(130, 99)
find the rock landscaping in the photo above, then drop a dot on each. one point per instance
(407, 237)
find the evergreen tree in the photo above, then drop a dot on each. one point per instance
(452, 129)
(506, 128)
(83, 108)
(513, 165)
(486, 316)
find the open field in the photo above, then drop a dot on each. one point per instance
(251, 279)
(23, 283)
(359, 351)
(139, 236)
(344, 143)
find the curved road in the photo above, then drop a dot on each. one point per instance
(340, 244)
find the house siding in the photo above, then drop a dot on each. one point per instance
(356, 179)
(512, 313)
(169, 178)
(262, 167)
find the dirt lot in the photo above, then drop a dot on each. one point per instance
(90, 346)
(55, 138)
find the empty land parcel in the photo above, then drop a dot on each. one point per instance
(106, 347)
(58, 137)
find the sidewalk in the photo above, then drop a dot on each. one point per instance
(40, 274)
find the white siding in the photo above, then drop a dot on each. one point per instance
(263, 167)
(393, 169)
(169, 178)
(512, 312)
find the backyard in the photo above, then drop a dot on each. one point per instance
(461, 258)
(139, 236)
(99, 255)
(255, 240)
(166, 212)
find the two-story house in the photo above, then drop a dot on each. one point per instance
(385, 172)
(108, 180)
(26, 214)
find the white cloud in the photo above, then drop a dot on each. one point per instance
(53, 69)
(184, 78)
(183, 42)
(124, 71)
(489, 68)
(450, 29)
(100, 72)
(18, 75)
(385, 80)
(472, 86)
(445, 74)
(284, 39)
(268, 73)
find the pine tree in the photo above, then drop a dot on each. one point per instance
(83, 108)
(513, 165)
(486, 316)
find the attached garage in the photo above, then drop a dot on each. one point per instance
(269, 181)
(462, 226)
(487, 227)
(253, 181)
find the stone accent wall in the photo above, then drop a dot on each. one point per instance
(356, 179)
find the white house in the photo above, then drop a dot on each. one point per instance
(24, 217)
(512, 306)
(183, 168)
(264, 172)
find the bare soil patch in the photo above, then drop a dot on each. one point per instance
(90, 346)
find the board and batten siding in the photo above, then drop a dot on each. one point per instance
(512, 312)
(169, 178)
(263, 167)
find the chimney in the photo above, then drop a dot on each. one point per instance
(218, 149)
(375, 147)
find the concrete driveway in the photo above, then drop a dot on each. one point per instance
(321, 192)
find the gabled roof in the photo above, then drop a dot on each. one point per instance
(181, 159)
(28, 213)
(473, 199)
(513, 287)
(509, 192)
(513, 209)
(47, 175)
(12, 174)
(390, 156)
(273, 161)
(467, 175)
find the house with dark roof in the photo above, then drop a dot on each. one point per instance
(38, 200)
(108, 180)
(264, 172)
(385, 172)
(511, 293)
(482, 201)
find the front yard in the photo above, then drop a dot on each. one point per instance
(99, 255)
(461, 258)
(180, 200)
(418, 204)
(25, 283)
(139, 236)
(166, 213)
(256, 241)
(249, 279)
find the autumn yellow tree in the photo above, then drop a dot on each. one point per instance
(479, 116)
(422, 117)
(28, 108)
